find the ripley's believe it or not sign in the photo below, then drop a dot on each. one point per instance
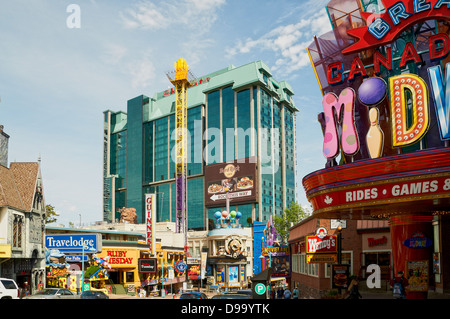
(386, 108)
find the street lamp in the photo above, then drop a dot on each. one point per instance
(269, 266)
(339, 249)
(82, 264)
(339, 244)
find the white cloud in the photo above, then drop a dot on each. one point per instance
(142, 73)
(288, 42)
(114, 53)
(147, 15)
(154, 15)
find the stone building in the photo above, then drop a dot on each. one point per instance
(22, 220)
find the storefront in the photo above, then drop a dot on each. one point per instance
(124, 267)
(376, 250)
(227, 262)
(386, 150)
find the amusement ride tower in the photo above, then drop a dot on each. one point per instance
(181, 83)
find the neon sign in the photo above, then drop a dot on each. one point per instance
(383, 28)
(406, 96)
(172, 90)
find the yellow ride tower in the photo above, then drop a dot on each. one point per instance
(181, 83)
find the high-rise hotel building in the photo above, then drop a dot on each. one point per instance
(241, 142)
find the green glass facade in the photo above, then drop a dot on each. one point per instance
(238, 113)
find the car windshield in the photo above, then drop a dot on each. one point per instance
(189, 296)
(47, 292)
(88, 293)
(231, 296)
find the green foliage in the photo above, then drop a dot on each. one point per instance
(291, 216)
(50, 214)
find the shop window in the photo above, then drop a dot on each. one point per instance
(313, 269)
(114, 237)
(220, 244)
(130, 277)
(382, 259)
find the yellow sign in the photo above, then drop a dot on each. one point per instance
(321, 258)
(5, 251)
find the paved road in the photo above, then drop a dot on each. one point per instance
(365, 295)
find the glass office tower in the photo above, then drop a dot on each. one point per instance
(233, 114)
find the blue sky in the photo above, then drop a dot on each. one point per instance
(56, 81)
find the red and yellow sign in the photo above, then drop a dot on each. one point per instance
(315, 244)
(383, 192)
(121, 257)
(321, 258)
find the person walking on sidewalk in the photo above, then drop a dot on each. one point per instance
(398, 286)
(287, 293)
(295, 293)
(353, 289)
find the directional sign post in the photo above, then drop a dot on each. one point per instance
(231, 195)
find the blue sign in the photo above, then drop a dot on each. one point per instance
(74, 243)
(418, 240)
(76, 258)
(180, 266)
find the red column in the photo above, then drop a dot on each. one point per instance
(403, 228)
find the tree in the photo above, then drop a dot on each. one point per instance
(291, 216)
(50, 214)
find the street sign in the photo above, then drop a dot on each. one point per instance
(76, 258)
(86, 287)
(260, 289)
(335, 223)
(180, 266)
(231, 195)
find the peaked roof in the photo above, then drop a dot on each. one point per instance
(18, 185)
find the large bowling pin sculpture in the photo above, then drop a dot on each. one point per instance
(374, 137)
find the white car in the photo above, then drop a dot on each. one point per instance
(8, 289)
(53, 293)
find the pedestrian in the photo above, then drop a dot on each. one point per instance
(353, 289)
(287, 293)
(398, 285)
(26, 289)
(279, 293)
(295, 293)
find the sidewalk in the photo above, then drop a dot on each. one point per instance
(388, 295)
(366, 294)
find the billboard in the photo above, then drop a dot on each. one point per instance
(150, 220)
(236, 180)
(74, 243)
(379, 97)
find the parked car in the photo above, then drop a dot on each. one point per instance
(53, 293)
(93, 294)
(8, 289)
(231, 296)
(248, 292)
(193, 295)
